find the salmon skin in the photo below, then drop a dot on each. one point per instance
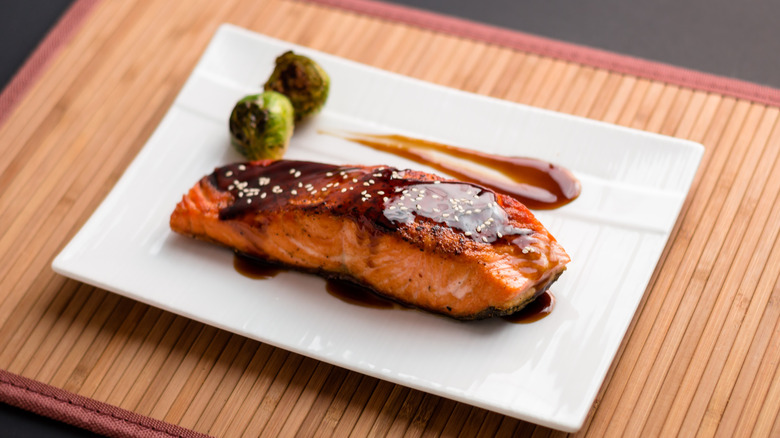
(444, 246)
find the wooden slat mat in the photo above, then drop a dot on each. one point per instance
(701, 356)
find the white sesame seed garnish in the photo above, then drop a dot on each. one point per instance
(352, 188)
(436, 210)
(371, 181)
(418, 207)
(231, 187)
(229, 173)
(445, 215)
(329, 185)
(385, 199)
(499, 235)
(240, 194)
(343, 190)
(264, 180)
(241, 167)
(323, 189)
(354, 180)
(294, 192)
(392, 207)
(292, 171)
(456, 219)
(262, 195)
(367, 195)
(484, 239)
(297, 174)
(380, 192)
(477, 210)
(404, 208)
(468, 233)
(329, 174)
(276, 189)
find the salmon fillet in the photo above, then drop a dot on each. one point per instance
(445, 246)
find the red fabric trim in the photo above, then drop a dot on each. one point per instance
(57, 37)
(83, 412)
(562, 50)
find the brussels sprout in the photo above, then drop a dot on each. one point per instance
(261, 125)
(303, 81)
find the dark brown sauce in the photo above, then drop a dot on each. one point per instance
(358, 295)
(540, 307)
(537, 184)
(252, 267)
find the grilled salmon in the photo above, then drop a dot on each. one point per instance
(445, 246)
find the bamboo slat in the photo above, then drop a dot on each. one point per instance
(700, 357)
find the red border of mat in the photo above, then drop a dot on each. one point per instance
(109, 420)
(562, 50)
(54, 41)
(83, 412)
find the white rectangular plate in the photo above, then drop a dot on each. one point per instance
(548, 372)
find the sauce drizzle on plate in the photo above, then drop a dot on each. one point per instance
(536, 183)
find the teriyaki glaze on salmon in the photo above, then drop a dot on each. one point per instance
(441, 245)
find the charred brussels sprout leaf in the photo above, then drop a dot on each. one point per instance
(261, 125)
(303, 81)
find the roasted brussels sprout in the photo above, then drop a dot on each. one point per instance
(303, 81)
(261, 125)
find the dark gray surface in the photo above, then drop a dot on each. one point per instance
(23, 23)
(18, 423)
(734, 38)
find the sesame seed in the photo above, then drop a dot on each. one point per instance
(456, 219)
(445, 215)
(352, 188)
(262, 195)
(367, 195)
(294, 192)
(366, 184)
(329, 185)
(354, 180)
(229, 173)
(240, 194)
(484, 239)
(435, 196)
(436, 210)
(477, 210)
(323, 189)
(343, 190)
(329, 174)
(468, 233)
(371, 181)
(249, 201)
(292, 171)
(418, 207)
(264, 181)
(499, 235)
(231, 187)
(297, 174)
(241, 167)
(404, 208)
(385, 199)
(392, 207)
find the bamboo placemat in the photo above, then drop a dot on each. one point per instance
(701, 356)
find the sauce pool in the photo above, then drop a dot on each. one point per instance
(352, 293)
(539, 308)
